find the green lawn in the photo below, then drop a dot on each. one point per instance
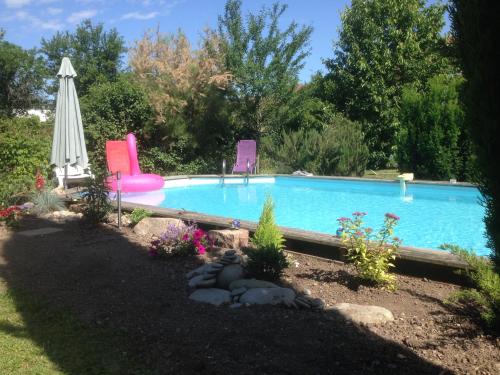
(36, 338)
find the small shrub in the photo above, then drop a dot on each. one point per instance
(371, 253)
(268, 260)
(267, 234)
(138, 214)
(97, 203)
(46, 201)
(485, 294)
(180, 241)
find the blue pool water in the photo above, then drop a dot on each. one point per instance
(430, 214)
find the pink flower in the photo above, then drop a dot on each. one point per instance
(359, 214)
(185, 237)
(343, 219)
(198, 234)
(201, 249)
(391, 216)
(358, 233)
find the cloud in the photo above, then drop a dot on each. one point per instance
(37, 22)
(54, 11)
(139, 16)
(76, 17)
(16, 3)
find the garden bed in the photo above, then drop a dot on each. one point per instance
(105, 278)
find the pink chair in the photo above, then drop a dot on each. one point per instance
(246, 151)
(121, 156)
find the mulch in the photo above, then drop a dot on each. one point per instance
(106, 279)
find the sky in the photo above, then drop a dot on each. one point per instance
(27, 21)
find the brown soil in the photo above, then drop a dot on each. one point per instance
(106, 278)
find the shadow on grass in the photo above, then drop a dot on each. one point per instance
(103, 307)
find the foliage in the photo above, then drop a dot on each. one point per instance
(95, 54)
(267, 263)
(338, 149)
(110, 111)
(97, 203)
(24, 150)
(264, 62)
(138, 214)
(476, 34)
(180, 241)
(187, 90)
(267, 233)
(383, 46)
(21, 79)
(268, 260)
(372, 253)
(46, 201)
(433, 142)
(10, 216)
(485, 294)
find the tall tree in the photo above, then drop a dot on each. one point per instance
(476, 32)
(383, 46)
(21, 79)
(96, 54)
(264, 61)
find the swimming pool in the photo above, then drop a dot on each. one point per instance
(431, 214)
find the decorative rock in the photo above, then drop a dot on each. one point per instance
(113, 218)
(230, 252)
(229, 274)
(363, 314)
(61, 216)
(251, 284)
(156, 226)
(198, 271)
(200, 282)
(268, 296)
(230, 238)
(239, 291)
(213, 296)
(235, 305)
(303, 303)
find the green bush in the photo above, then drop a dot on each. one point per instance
(339, 149)
(138, 214)
(433, 142)
(46, 201)
(268, 260)
(485, 294)
(97, 203)
(25, 146)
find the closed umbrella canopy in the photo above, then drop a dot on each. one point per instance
(68, 144)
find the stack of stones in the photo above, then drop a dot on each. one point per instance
(223, 282)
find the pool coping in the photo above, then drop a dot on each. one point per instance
(405, 253)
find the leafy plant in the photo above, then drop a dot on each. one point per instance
(267, 263)
(372, 254)
(485, 294)
(138, 214)
(10, 216)
(180, 241)
(97, 203)
(46, 201)
(268, 260)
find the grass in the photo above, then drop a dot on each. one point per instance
(37, 338)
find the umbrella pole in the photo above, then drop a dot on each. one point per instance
(66, 176)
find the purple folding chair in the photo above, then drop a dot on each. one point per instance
(246, 150)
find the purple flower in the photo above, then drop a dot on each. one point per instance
(343, 219)
(391, 216)
(359, 214)
(235, 224)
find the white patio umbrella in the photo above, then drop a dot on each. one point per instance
(68, 143)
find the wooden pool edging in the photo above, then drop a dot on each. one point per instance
(325, 245)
